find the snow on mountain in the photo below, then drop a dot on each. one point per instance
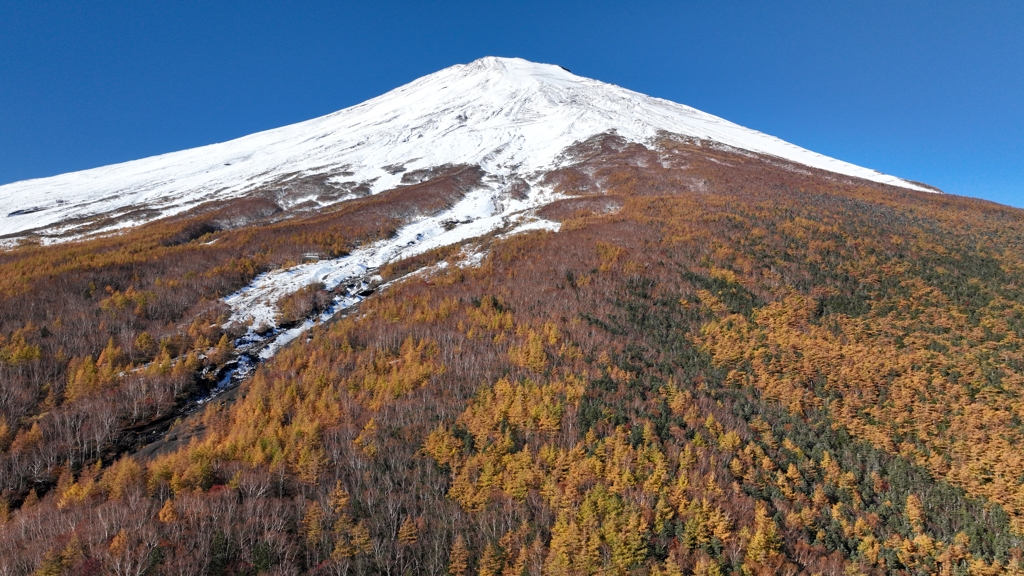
(480, 212)
(477, 214)
(509, 116)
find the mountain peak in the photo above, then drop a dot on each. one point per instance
(511, 66)
(510, 116)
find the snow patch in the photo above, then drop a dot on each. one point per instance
(533, 225)
(478, 213)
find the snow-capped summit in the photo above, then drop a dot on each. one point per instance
(507, 115)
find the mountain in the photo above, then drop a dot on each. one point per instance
(570, 330)
(510, 117)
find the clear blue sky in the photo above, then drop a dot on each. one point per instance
(931, 91)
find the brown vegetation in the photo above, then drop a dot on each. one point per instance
(745, 369)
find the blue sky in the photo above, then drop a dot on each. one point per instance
(931, 91)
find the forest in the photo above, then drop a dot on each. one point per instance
(718, 365)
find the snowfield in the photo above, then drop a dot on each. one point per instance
(480, 212)
(507, 115)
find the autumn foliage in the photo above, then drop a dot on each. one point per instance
(724, 366)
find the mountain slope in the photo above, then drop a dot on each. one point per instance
(774, 374)
(508, 116)
(652, 358)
